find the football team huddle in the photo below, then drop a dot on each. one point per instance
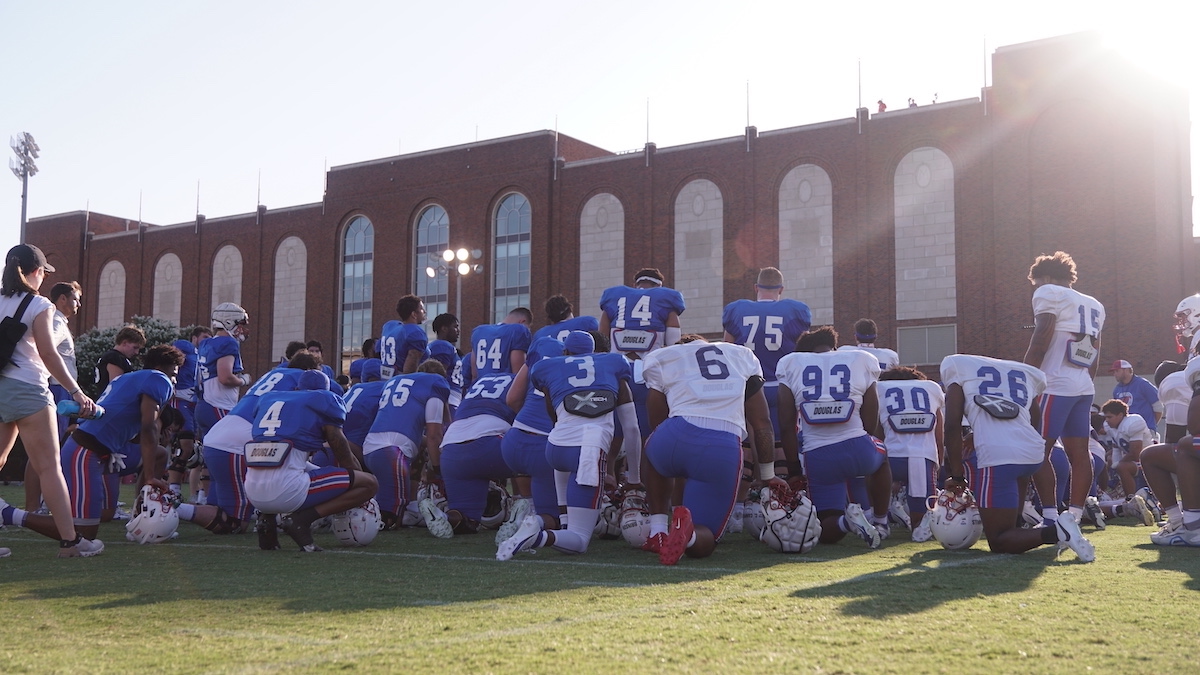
(624, 427)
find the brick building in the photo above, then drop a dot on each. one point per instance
(925, 219)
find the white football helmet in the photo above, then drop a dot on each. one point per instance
(954, 520)
(754, 519)
(635, 518)
(792, 525)
(608, 525)
(230, 318)
(432, 491)
(357, 526)
(156, 518)
(495, 512)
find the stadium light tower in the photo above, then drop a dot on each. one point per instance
(456, 261)
(23, 167)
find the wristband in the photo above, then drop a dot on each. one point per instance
(72, 393)
(766, 471)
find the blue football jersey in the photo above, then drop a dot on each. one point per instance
(487, 397)
(492, 346)
(280, 378)
(402, 402)
(769, 328)
(637, 317)
(212, 350)
(362, 403)
(397, 341)
(297, 416)
(564, 375)
(122, 403)
(533, 412)
(559, 330)
(186, 379)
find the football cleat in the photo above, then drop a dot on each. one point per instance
(1152, 502)
(1166, 532)
(298, 526)
(437, 522)
(922, 533)
(898, 510)
(1136, 507)
(678, 538)
(654, 542)
(859, 525)
(1092, 510)
(1030, 517)
(268, 532)
(521, 509)
(736, 519)
(1069, 536)
(524, 539)
(790, 521)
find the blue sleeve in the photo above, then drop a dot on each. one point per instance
(521, 339)
(676, 302)
(333, 409)
(159, 389)
(608, 301)
(440, 389)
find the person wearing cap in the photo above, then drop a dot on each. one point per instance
(408, 409)
(1137, 393)
(288, 427)
(1064, 346)
(587, 393)
(26, 405)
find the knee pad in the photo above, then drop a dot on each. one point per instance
(224, 523)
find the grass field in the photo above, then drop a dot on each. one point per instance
(412, 603)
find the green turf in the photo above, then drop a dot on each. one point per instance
(413, 603)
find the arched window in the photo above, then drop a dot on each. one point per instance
(291, 285)
(432, 237)
(358, 269)
(513, 223)
(110, 298)
(227, 276)
(925, 259)
(806, 239)
(601, 249)
(168, 286)
(700, 254)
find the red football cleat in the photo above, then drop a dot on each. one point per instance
(678, 538)
(654, 542)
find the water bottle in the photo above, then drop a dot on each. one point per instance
(67, 408)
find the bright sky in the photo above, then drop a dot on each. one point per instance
(134, 104)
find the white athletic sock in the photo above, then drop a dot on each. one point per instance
(659, 523)
(186, 512)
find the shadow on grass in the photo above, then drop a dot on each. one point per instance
(1184, 559)
(931, 578)
(408, 568)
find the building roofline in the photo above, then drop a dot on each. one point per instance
(450, 148)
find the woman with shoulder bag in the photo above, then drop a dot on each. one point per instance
(25, 400)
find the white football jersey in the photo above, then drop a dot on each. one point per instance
(887, 357)
(703, 379)
(828, 389)
(1078, 320)
(998, 396)
(908, 411)
(1176, 396)
(1132, 428)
